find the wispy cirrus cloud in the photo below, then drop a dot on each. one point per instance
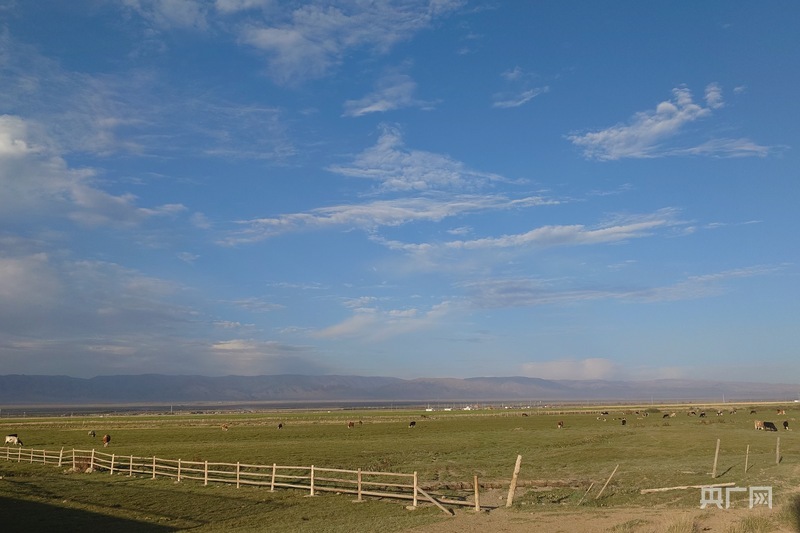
(374, 324)
(530, 292)
(658, 133)
(397, 168)
(307, 42)
(521, 91)
(370, 216)
(168, 14)
(618, 229)
(393, 91)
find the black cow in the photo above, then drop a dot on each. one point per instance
(770, 426)
(624, 421)
(412, 424)
(786, 425)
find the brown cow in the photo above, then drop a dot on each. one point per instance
(106, 440)
(759, 424)
(560, 424)
(351, 425)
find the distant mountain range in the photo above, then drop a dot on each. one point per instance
(160, 389)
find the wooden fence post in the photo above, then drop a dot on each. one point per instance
(586, 493)
(154, 467)
(91, 461)
(130, 471)
(415, 490)
(179, 470)
(74, 466)
(237, 474)
(607, 482)
(477, 495)
(312, 480)
(359, 484)
(60, 457)
(778, 452)
(746, 458)
(512, 489)
(112, 463)
(205, 475)
(716, 456)
(272, 483)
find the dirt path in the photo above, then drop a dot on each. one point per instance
(626, 520)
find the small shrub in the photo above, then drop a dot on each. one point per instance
(791, 512)
(684, 524)
(753, 524)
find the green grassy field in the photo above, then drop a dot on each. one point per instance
(446, 449)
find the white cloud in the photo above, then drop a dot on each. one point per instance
(505, 101)
(591, 368)
(372, 215)
(714, 96)
(167, 14)
(619, 229)
(373, 324)
(649, 134)
(28, 284)
(634, 227)
(255, 357)
(37, 181)
(313, 38)
(395, 91)
(399, 169)
(529, 292)
(234, 6)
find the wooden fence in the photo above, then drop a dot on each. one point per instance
(312, 478)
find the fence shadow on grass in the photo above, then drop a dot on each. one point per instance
(23, 515)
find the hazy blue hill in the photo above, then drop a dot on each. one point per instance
(155, 388)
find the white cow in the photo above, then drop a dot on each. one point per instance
(13, 439)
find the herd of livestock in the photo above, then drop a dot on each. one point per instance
(13, 438)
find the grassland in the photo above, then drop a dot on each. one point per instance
(446, 449)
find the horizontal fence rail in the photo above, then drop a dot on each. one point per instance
(314, 479)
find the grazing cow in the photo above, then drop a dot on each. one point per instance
(702, 414)
(92, 434)
(224, 427)
(351, 425)
(560, 424)
(781, 411)
(666, 415)
(604, 413)
(280, 425)
(752, 411)
(106, 440)
(770, 426)
(412, 424)
(13, 439)
(786, 425)
(759, 424)
(524, 414)
(624, 421)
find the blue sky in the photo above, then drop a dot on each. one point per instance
(419, 188)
